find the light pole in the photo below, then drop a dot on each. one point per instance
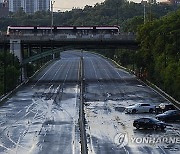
(117, 13)
(144, 13)
(52, 21)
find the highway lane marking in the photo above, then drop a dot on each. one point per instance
(6, 148)
(113, 68)
(61, 66)
(100, 84)
(10, 139)
(105, 70)
(94, 69)
(164, 152)
(16, 143)
(45, 73)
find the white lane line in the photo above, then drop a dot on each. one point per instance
(29, 106)
(6, 148)
(17, 144)
(164, 152)
(61, 66)
(100, 85)
(94, 68)
(45, 73)
(113, 69)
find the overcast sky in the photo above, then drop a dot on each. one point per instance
(69, 4)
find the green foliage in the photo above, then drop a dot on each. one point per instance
(30, 69)
(132, 24)
(110, 12)
(160, 51)
(159, 37)
(12, 69)
(12, 75)
(124, 57)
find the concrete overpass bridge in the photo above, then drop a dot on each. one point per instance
(32, 48)
(18, 44)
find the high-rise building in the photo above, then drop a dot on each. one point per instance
(4, 9)
(43, 5)
(152, 1)
(29, 6)
(15, 5)
(174, 2)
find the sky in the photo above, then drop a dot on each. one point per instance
(63, 5)
(69, 4)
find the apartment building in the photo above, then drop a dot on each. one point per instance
(29, 6)
(4, 8)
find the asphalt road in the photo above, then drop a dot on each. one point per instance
(109, 130)
(42, 117)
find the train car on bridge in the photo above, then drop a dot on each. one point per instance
(70, 31)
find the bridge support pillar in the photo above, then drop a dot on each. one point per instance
(15, 48)
(4, 69)
(29, 50)
(52, 48)
(24, 67)
(41, 51)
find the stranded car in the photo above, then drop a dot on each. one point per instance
(171, 115)
(140, 108)
(164, 107)
(149, 123)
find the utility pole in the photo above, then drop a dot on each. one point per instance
(117, 13)
(52, 21)
(144, 13)
(5, 81)
(144, 3)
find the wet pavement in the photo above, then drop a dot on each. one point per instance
(42, 117)
(109, 129)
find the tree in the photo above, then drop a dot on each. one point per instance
(12, 67)
(160, 52)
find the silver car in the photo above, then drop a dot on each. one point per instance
(140, 108)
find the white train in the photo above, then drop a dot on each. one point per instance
(70, 31)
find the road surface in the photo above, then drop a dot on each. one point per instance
(42, 117)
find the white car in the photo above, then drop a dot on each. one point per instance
(140, 108)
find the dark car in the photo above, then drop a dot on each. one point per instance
(164, 107)
(171, 115)
(149, 123)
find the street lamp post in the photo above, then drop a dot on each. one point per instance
(144, 13)
(4, 77)
(52, 21)
(117, 13)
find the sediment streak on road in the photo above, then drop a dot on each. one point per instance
(81, 110)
